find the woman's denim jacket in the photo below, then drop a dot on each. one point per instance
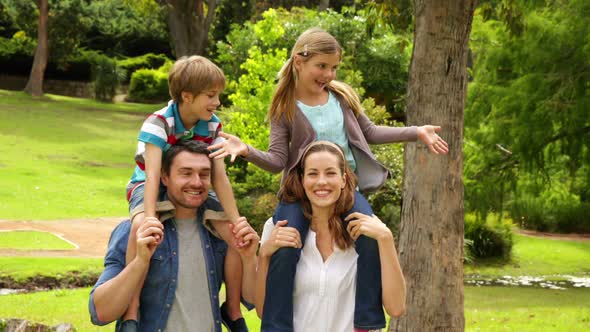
(159, 288)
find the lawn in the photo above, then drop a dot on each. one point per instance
(539, 257)
(30, 240)
(63, 157)
(21, 268)
(486, 309)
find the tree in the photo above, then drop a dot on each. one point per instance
(35, 84)
(431, 234)
(324, 5)
(189, 22)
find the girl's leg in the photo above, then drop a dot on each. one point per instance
(368, 310)
(133, 308)
(280, 280)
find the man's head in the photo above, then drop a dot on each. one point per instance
(186, 173)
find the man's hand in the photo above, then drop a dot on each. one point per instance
(149, 235)
(245, 237)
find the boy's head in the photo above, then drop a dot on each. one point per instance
(195, 75)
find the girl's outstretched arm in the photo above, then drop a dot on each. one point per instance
(274, 160)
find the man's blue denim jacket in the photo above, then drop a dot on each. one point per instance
(159, 288)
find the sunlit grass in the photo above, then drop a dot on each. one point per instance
(29, 240)
(22, 268)
(539, 257)
(64, 157)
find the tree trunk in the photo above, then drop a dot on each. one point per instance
(431, 234)
(35, 84)
(189, 22)
(324, 5)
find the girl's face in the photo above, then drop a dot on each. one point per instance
(313, 75)
(323, 180)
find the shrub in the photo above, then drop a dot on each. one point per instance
(146, 61)
(148, 85)
(491, 236)
(107, 76)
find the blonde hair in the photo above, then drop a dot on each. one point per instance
(314, 41)
(293, 191)
(194, 74)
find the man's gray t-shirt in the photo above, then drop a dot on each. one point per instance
(191, 309)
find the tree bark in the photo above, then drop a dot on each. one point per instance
(34, 86)
(189, 22)
(324, 5)
(431, 233)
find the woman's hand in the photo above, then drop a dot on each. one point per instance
(370, 226)
(232, 146)
(280, 237)
(428, 135)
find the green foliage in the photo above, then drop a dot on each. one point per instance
(107, 76)
(492, 236)
(127, 27)
(526, 117)
(149, 85)
(145, 61)
(19, 45)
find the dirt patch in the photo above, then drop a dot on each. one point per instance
(36, 283)
(91, 236)
(556, 236)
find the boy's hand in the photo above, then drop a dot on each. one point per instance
(149, 235)
(232, 146)
(428, 135)
(245, 237)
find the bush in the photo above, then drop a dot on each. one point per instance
(107, 76)
(148, 85)
(146, 61)
(492, 237)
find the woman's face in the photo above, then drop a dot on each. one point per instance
(322, 179)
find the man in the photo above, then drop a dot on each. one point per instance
(179, 259)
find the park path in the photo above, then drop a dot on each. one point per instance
(91, 236)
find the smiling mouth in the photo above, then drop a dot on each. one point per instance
(322, 193)
(191, 192)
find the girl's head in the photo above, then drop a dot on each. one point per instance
(194, 75)
(323, 181)
(312, 67)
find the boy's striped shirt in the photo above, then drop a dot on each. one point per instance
(163, 129)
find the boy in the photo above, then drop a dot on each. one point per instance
(194, 84)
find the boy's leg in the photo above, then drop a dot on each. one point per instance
(368, 310)
(231, 312)
(280, 280)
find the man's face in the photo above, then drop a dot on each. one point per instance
(189, 180)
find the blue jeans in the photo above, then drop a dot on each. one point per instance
(278, 302)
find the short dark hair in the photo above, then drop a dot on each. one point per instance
(180, 146)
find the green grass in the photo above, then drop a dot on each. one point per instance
(539, 257)
(486, 309)
(63, 157)
(526, 309)
(21, 268)
(30, 240)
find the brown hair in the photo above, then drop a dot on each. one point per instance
(194, 74)
(293, 191)
(312, 42)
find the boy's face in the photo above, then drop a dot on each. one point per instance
(202, 105)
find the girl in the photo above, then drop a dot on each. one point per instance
(325, 285)
(310, 105)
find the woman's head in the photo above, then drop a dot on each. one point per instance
(323, 180)
(311, 67)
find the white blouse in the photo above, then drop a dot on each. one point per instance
(323, 299)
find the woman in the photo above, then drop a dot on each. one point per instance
(325, 283)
